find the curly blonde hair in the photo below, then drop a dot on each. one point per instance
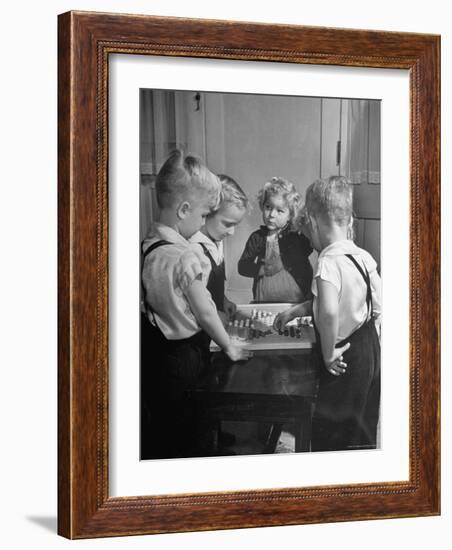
(282, 188)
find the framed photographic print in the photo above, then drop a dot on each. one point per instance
(219, 183)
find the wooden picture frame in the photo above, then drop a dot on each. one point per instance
(85, 42)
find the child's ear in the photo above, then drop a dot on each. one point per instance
(183, 210)
(314, 224)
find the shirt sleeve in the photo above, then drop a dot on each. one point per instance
(192, 265)
(249, 265)
(327, 270)
(305, 244)
(305, 273)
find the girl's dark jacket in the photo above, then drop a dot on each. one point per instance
(294, 249)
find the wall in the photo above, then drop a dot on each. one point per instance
(28, 227)
(253, 137)
(267, 136)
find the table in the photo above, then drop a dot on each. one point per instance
(274, 387)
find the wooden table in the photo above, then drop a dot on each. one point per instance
(274, 387)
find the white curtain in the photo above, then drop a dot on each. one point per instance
(158, 137)
(362, 141)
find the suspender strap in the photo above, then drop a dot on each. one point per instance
(145, 254)
(208, 254)
(217, 277)
(152, 247)
(366, 278)
(212, 261)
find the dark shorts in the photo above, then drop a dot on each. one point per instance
(347, 407)
(170, 369)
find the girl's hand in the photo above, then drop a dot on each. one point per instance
(272, 266)
(229, 308)
(282, 319)
(237, 353)
(336, 365)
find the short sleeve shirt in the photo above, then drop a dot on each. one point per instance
(168, 272)
(334, 266)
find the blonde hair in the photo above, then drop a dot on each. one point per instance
(180, 177)
(331, 199)
(231, 193)
(284, 188)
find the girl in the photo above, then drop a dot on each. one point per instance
(180, 316)
(220, 224)
(276, 256)
(346, 302)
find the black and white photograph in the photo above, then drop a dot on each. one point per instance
(191, 355)
(260, 274)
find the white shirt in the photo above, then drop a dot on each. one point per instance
(333, 266)
(168, 272)
(215, 248)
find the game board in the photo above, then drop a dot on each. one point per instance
(252, 327)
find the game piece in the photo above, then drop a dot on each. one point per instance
(254, 327)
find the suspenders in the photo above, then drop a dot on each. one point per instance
(366, 278)
(152, 247)
(217, 277)
(209, 255)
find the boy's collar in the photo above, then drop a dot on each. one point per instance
(201, 237)
(167, 233)
(338, 248)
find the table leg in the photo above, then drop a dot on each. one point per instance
(303, 430)
(273, 438)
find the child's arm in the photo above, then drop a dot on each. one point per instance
(207, 317)
(248, 266)
(375, 283)
(327, 324)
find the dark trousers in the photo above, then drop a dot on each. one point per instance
(347, 407)
(170, 369)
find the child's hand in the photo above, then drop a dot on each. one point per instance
(336, 365)
(229, 308)
(272, 266)
(378, 327)
(282, 319)
(237, 353)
